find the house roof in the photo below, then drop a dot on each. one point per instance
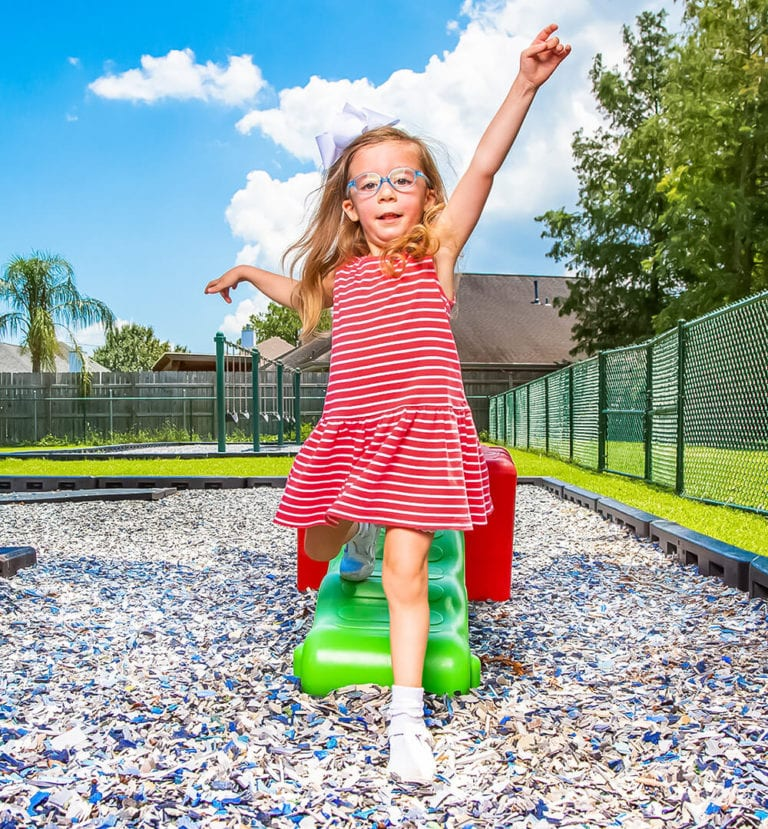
(315, 354)
(270, 349)
(15, 360)
(182, 361)
(498, 320)
(274, 347)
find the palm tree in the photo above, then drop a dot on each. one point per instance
(42, 293)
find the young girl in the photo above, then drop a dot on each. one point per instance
(396, 446)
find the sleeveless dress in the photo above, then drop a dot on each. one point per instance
(396, 444)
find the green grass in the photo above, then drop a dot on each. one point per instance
(234, 466)
(744, 529)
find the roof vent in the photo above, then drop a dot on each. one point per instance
(535, 292)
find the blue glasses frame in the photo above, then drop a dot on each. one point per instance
(388, 178)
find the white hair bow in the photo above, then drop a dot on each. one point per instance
(350, 123)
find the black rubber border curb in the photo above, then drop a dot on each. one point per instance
(735, 566)
(56, 496)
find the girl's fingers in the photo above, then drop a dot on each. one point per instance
(545, 32)
(552, 45)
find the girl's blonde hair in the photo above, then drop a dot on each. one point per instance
(332, 238)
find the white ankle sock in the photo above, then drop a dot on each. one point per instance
(410, 743)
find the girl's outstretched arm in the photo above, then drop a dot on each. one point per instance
(465, 205)
(279, 288)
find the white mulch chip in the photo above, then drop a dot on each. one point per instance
(145, 681)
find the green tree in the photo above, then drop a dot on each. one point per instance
(715, 222)
(609, 240)
(133, 347)
(279, 321)
(41, 292)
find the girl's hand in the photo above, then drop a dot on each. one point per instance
(543, 56)
(224, 284)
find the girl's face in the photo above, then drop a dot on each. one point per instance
(387, 214)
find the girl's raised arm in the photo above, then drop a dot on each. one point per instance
(466, 203)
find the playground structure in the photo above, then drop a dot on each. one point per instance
(244, 400)
(349, 640)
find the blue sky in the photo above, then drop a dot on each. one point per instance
(153, 145)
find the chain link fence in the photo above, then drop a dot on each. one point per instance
(687, 410)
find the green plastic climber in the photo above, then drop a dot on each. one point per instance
(349, 640)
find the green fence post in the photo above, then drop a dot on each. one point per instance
(546, 416)
(680, 448)
(221, 423)
(514, 417)
(528, 417)
(602, 414)
(279, 391)
(255, 402)
(570, 414)
(492, 404)
(297, 403)
(648, 421)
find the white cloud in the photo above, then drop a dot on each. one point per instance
(94, 336)
(177, 75)
(450, 101)
(269, 214)
(234, 323)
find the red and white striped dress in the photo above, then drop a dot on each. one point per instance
(396, 444)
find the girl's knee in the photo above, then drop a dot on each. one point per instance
(317, 548)
(318, 553)
(405, 567)
(322, 543)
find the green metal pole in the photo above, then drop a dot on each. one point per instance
(570, 413)
(221, 423)
(546, 416)
(297, 403)
(280, 425)
(514, 419)
(255, 403)
(602, 414)
(528, 419)
(680, 448)
(510, 398)
(648, 425)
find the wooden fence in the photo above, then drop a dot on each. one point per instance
(35, 405)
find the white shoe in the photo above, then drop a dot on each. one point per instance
(410, 750)
(359, 556)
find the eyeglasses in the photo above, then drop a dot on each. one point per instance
(401, 179)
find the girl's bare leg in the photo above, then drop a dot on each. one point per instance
(323, 542)
(405, 580)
